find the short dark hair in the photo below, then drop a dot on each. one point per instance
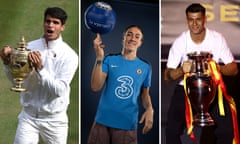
(56, 12)
(196, 7)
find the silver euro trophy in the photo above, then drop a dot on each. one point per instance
(19, 66)
(201, 87)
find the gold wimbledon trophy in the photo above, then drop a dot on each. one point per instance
(19, 66)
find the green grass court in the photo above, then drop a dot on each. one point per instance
(25, 18)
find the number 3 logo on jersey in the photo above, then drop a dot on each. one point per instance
(125, 90)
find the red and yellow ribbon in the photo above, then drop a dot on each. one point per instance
(188, 111)
(221, 92)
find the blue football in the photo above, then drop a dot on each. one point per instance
(100, 17)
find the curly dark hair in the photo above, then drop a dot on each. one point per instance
(56, 12)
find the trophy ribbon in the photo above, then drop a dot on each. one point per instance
(188, 111)
(222, 91)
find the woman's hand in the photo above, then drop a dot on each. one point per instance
(98, 46)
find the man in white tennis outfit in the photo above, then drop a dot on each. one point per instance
(45, 103)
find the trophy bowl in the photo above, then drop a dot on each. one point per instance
(201, 92)
(19, 66)
(201, 88)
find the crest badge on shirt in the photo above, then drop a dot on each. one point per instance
(139, 71)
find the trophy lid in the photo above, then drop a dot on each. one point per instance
(22, 43)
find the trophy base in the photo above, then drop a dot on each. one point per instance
(18, 85)
(203, 119)
(18, 89)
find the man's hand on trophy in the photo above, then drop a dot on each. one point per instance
(186, 67)
(36, 60)
(5, 54)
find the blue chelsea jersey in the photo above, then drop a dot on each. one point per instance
(118, 106)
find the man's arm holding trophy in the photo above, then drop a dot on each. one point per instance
(18, 63)
(5, 54)
(35, 59)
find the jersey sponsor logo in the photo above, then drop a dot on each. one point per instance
(125, 89)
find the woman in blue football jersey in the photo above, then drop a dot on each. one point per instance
(122, 78)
